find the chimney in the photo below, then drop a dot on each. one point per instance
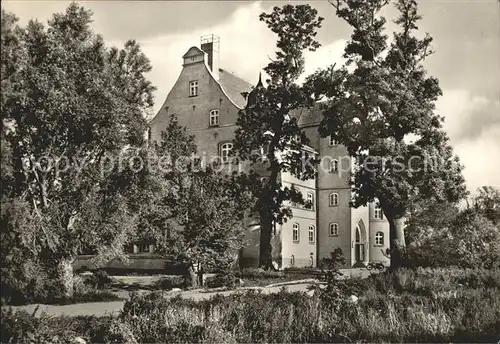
(210, 45)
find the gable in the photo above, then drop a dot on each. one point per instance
(192, 52)
(193, 55)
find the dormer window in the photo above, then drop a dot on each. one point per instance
(193, 88)
(214, 117)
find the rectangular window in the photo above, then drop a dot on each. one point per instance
(311, 234)
(295, 232)
(214, 117)
(193, 88)
(334, 166)
(377, 214)
(332, 141)
(310, 201)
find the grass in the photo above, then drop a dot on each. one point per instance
(440, 305)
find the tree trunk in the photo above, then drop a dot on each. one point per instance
(266, 216)
(397, 242)
(65, 276)
(265, 248)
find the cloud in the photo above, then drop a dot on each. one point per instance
(481, 159)
(473, 125)
(467, 115)
(323, 57)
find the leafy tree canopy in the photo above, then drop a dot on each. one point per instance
(69, 104)
(381, 106)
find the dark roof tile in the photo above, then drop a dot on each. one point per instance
(234, 86)
(307, 116)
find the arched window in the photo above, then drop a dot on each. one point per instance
(379, 239)
(214, 117)
(311, 259)
(334, 229)
(292, 260)
(295, 232)
(225, 151)
(334, 166)
(334, 199)
(312, 234)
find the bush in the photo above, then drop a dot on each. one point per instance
(296, 317)
(260, 273)
(403, 306)
(426, 282)
(39, 285)
(99, 280)
(221, 280)
(170, 282)
(24, 327)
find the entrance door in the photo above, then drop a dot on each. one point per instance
(360, 252)
(359, 247)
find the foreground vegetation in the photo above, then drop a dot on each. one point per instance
(423, 305)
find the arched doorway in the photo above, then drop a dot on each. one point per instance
(360, 243)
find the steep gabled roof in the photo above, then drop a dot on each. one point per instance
(234, 87)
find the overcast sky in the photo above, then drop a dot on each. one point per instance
(466, 41)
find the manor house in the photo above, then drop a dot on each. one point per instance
(206, 100)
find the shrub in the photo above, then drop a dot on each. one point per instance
(170, 282)
(24, 327)
(260, 273)
(403, 306)
(221, 280)
(99, 280)
(39, 285)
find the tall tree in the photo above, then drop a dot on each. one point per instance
(70, 104)
(197, 217)
(381, 107)
(266, 121)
